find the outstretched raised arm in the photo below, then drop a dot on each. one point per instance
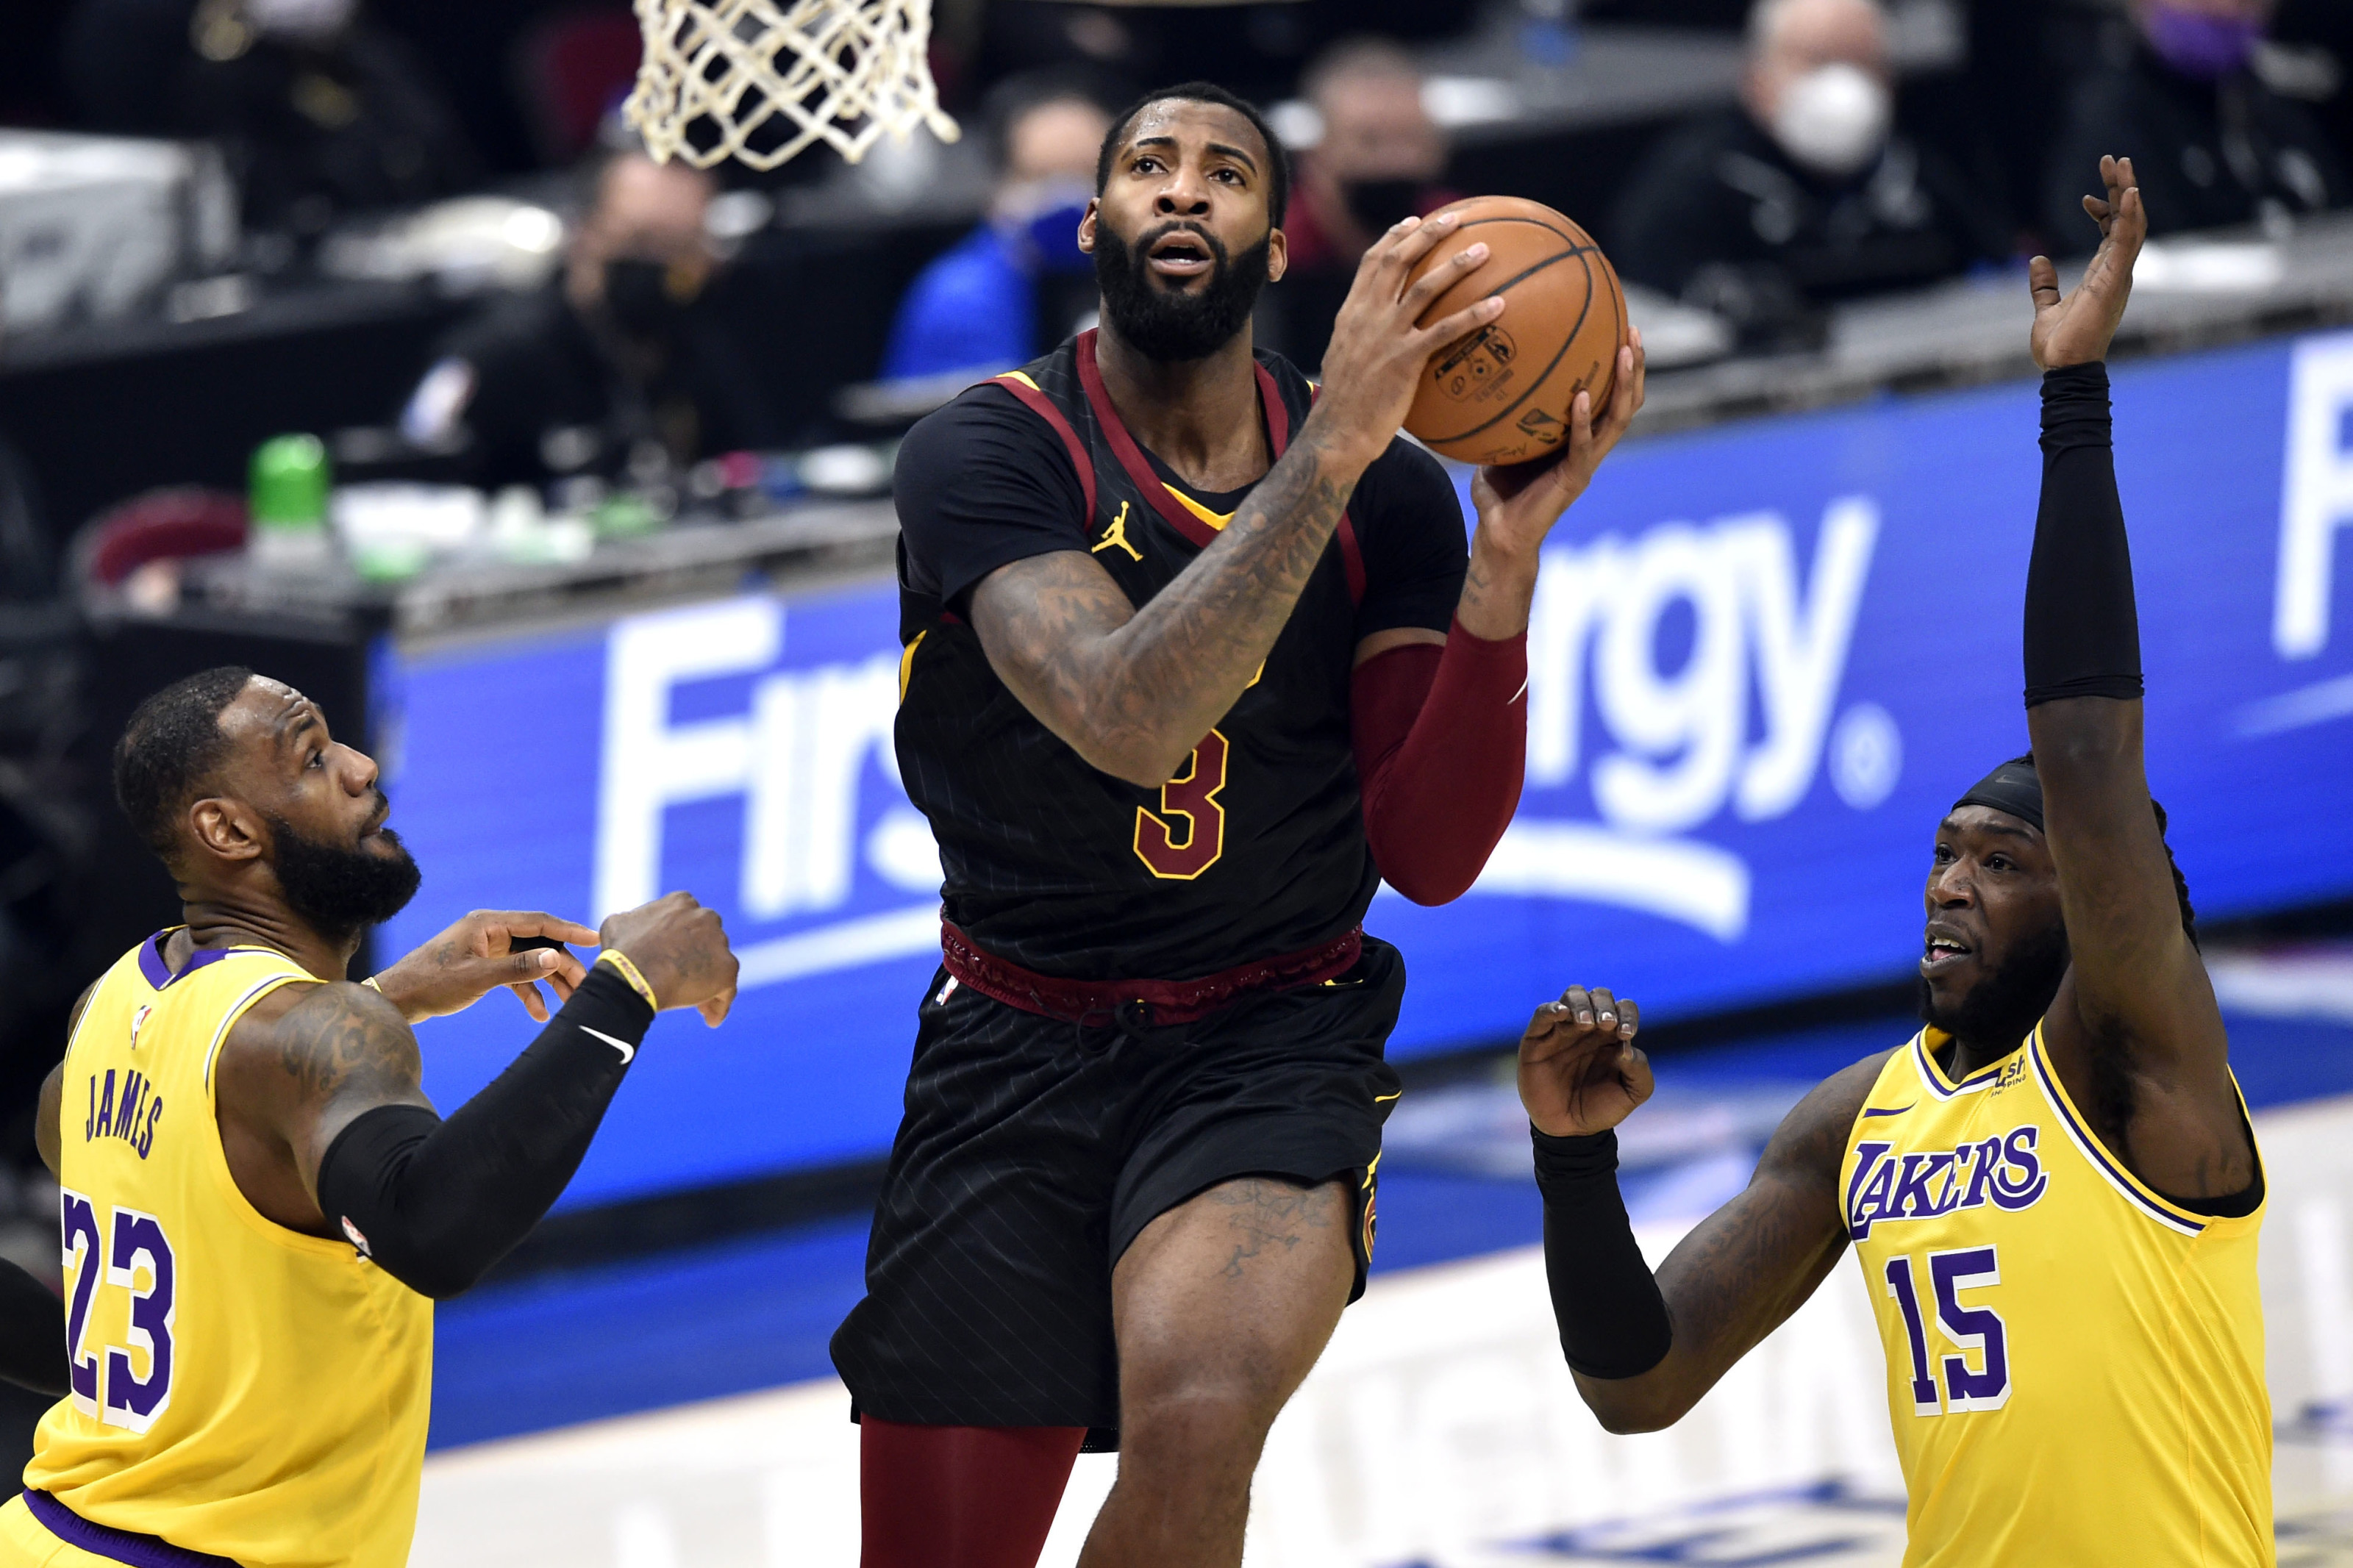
(2135, 1032)
(1644, 1351)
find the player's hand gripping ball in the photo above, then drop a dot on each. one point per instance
(1502, 394)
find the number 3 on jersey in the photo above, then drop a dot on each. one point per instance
(141, 1264)
(1186, 835)
(1974, 1331)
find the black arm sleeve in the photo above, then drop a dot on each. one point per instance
(2083, 634)
(437, 1202)
(32, 1332)
(1613, 1321)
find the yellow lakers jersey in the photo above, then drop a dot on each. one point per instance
(2074, 1365)
(238, 1388)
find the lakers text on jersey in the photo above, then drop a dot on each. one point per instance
(238, 1389)
(2075, 1364)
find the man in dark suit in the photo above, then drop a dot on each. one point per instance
(619, 365)
(2187, 90)
(1805, 193)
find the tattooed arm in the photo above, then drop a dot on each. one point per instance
(328, 1132)
(1133, 691)
(302, 1063)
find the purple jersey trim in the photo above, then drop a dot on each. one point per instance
(2092, 1150)
(118, 1546)
(159, 973)
(1934, 1075)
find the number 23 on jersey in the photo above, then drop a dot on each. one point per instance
(129, 1254)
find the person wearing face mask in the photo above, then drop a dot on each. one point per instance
(320, 111)
(1019, 283)
(1378, 162)
(620, 365)
(1807, 194)
(2215, 144)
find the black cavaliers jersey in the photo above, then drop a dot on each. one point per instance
(1257, 847)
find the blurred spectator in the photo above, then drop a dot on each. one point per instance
(617, 366)
(1378, 162)
(1019, 284)
(320, 111)
(27, 556)
(2314, 40)
(2212, 143)
(1805, 194)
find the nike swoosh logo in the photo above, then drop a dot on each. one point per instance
(627, 1050)
(1867, 1111)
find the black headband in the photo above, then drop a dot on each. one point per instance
(2013, 787)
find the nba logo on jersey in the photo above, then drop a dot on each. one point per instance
(137, 1019)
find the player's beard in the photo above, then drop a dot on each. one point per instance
(1168, 325)
(2002, 1008)
(339, 891)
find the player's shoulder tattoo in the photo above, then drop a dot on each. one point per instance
(328, 1039)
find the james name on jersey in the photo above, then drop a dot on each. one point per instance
(131, 1114)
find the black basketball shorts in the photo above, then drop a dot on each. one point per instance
(1034, 1151)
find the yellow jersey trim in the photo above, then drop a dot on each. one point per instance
(236, 1010)
(215, 1157)
(73, 1037)
(1939, 1083)
(2139, 1194)
(907, 663)
(1217, 519)
(1021, 376)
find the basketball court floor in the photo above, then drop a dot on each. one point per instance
(680, 1414)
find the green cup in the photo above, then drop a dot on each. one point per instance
(290, 481)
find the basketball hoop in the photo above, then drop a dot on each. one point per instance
(763, 79)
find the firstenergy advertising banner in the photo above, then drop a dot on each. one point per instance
(1765, 658)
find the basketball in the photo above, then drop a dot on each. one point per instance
(1502, 394)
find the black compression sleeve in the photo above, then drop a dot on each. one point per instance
(1613, 1321)
(2082, 635)
(32, 1332)
(437, 1202)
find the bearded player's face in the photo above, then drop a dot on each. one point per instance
(1996, 942)
(338, 867)
(1181, 234)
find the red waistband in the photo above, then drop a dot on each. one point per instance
(1159, 1001)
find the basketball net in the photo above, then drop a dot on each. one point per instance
(762, 80)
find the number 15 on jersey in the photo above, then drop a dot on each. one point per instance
(1976, 1333)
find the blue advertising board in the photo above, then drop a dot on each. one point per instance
(1765, 658)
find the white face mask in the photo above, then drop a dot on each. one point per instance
(1834, 118)
(309, 21)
